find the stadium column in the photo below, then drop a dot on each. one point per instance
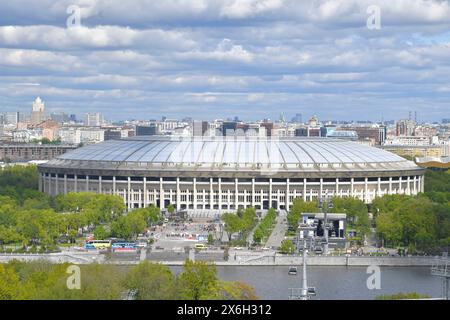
(41, 189)
(49, 181)
(100, 185)
(253, 192)
(278, 199)
(337, 188)
(75, 183)
(114, 185)
(379, 187)
(270, 193)
(352, 187)
(87, 183)
(245, 198)
(145, 192)
(400, 185)
(366, 190)
(390, 185)
(408, 187)
(236, 193)
(140, 198)
(220, 193)
(211, 194)
(195, 193)
(161, 194)
(56, 184)
(415, 185)
(204, 199)
(65, 183)
(422, 187)
(178, 196)
(129, 193)
(287, 197)
(321, 188)
(304, 189)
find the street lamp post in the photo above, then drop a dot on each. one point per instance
(324, 206)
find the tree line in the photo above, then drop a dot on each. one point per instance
(33, 219)
(41, 280)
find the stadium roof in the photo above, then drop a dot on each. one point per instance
(238, 152)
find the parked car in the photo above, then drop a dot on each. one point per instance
(318, 250)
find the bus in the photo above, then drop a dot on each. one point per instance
(124, 246)
(98, 244)
(200, 246)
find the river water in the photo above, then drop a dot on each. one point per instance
(274, 282)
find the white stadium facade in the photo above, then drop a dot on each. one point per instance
(226, 173)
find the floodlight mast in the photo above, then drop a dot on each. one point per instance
(324, 206)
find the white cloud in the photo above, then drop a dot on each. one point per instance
(152, 57)
(57, 38)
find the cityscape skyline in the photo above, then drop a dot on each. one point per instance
(297, 117)
(210, 60)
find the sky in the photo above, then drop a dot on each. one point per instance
(209, 59)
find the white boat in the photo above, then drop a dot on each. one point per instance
(292, 270)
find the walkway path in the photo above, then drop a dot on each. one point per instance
(279, 231)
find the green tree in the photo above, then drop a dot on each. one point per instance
(120, 228)
(235, 290)
(298, 207)
(100, 233)
(9, 283)
(198, 281)
(356, 211)
(233, 224)
(151, 281)
(287, 247)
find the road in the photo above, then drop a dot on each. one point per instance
(279, 231)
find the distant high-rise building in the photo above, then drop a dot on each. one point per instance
(405, 127)
(37, 111)
(376, 133)
(112, 134)
(268, 126)
(446, 121)
(199, 128)
(93, 119)
(229, 127)
(297, 118)
(11, 118)
(59, 117)
(73, 118)
(150, 130)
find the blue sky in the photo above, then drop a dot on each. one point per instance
(213, 59)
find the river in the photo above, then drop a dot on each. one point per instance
(274, 282)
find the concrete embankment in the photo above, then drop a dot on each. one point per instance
(240, 259)
(75, 258)
(284, 260)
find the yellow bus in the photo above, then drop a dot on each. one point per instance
(98, 244)
(200, 246)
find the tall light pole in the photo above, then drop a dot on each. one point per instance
(304, 295)
(324, 206)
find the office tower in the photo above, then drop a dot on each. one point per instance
(93, 119)
(405, 128)
(199, 128)
(37, 111)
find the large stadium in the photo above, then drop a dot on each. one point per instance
(227, 173)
